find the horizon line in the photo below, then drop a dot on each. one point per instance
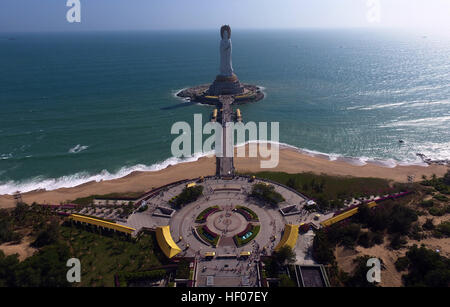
(385, 28)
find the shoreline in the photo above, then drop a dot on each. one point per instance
(290, 161)
(83, 177)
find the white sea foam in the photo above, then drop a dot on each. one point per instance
(69, 181)
(430, 103)
(421, 122)
(263, 90)
(176, 92)
(415, 103)
(382, 106)
(403, 90)
(358, 161)
(77, 179)
(5, 156)
(78, 148)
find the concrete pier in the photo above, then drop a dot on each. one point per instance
(225, 164)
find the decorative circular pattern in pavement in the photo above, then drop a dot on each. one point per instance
(226, 195)
(226, 223)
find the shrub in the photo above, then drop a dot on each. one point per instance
(427, 203)
(427, 268)
(143, 208)
(183, 269)
(443, 229)
(397, 241)
(46, 268)
(416, 232)
(446, 178)
(323, 248)
(286, 281)
(49, 235)
(285, 255)
(350, 234)
(266, 193)
(365, 240)
(271, 267)
(401, 219)
(440, 197)
(437, 211)
(187, 196)
(378, 238)
(428, 225)
(358, 278)
(7, 233)
(364, 214)
(402, 264)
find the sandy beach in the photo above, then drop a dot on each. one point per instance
(290, 161)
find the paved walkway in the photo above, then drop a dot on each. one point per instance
(225, 164)
(227, 194)
(227, 273)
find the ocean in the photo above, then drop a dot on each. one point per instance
(77, 107)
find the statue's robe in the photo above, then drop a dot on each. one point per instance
(226, 68)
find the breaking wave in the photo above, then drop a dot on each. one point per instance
(42, 183)
(78, 148)
(69, 181)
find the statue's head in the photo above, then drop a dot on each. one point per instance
(225, 32)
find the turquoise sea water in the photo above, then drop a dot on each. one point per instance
(91, 106)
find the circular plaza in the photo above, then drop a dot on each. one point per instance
(225, 220)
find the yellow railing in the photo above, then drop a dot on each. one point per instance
(101, 223)
(344, 215)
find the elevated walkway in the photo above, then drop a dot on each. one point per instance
(225, 165)
(344, 215)
(102, 223)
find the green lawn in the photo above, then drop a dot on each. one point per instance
(249, 211)
(331, 187)
(201, 233)
(103, 256)
(255, 230)
(201, 217)
(331, 191)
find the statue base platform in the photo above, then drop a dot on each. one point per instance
(223, 86)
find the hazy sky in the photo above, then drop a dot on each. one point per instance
(50, 15)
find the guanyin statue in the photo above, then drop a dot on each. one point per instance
(226, 67)
(226, 83)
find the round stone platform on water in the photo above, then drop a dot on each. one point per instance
(252, 93)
